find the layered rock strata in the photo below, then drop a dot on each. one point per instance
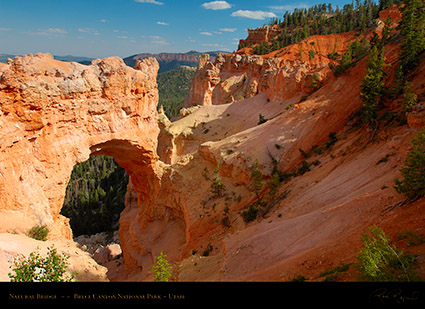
(284, 74)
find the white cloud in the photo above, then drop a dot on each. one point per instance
(160, 42)
(288, 7)
(260, 15)
(156, 39)
(88, 30)
(51, 32)
(103, 21)
(57, 31)
(216, 5)
(150, 1)
(123, 37)
(228, 29)
(162, 23)
(206, 33)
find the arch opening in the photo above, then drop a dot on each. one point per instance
(95, 196)
(95, 199)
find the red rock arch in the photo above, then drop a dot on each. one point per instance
(54, 115)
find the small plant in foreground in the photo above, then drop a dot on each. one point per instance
(161, 268)
(39, 232)
(382, 261)
(36, 268)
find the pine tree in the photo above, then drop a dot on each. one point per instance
(413, 183)
(161, 268)
(344, 64)
(412, 28)
(372, 85)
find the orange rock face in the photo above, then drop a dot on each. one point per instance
(258, 35)
(282, 74)
(55, 114)
(192, 179)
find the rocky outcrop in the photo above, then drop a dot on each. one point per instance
(55, 114)
(283, 74)
(259, 35)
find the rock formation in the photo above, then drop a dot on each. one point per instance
(192, 179)
(258, 35)
(283, 74)
(54, 115)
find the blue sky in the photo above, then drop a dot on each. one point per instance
(101, 28)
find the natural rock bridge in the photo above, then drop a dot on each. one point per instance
(54, 115)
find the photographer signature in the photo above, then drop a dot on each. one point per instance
(385, 295)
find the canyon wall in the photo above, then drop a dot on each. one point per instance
(283, 74)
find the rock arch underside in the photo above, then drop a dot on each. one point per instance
(54, 115)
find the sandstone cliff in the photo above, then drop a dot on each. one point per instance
(55, 114)
(283, 74)
(192, 179)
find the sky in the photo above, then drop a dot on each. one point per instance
(103, 28)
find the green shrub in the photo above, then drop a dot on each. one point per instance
(332, 274)
(372, 86)
(303, 168)
(261, 119)
(226, 222)
(356, 50)
(410, 98)
(382, 261)
(298, 278)
(256, 178)
(161, 268)
(413, 183)
(332, 140)
(412, 238)
(274, 183)
(208, 250)
(217, 187)
(39, 232)
(36, 268)
(250, 214)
